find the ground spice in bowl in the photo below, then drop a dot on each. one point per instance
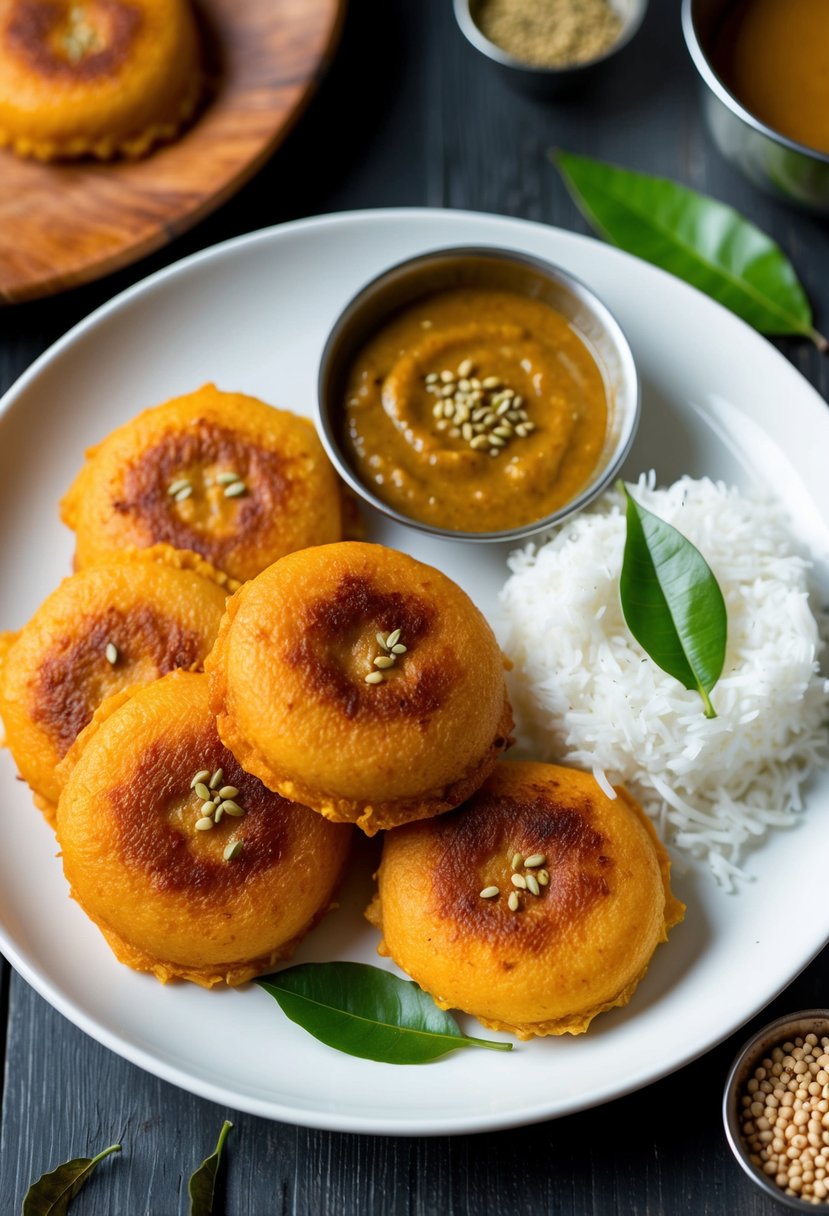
(550, 33)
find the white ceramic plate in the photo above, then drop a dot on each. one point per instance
(252, 315)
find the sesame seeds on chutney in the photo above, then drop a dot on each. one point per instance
(477, 410)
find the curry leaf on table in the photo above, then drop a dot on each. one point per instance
(672, 603)
(202, 1185)
(367, 1012)
(702, 241)
(53, 1192)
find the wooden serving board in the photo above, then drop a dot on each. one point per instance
(66, 223)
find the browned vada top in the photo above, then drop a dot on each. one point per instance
(360, 682)
(189, 865)
(534, 907)
(221, 474)
(95, 77)
(102, 630)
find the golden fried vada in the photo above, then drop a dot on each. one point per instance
(362, 683)
(102, 630)
(221, 474)
(188, 865)
(535, 907)
(99, 78)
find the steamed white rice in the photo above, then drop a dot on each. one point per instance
(586, 693)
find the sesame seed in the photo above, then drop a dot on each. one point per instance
(518, 880)
(374, 677)
(490, 892)
(517, 861)
(480, 441)
(111, 653)
(393, 638)
(446, 376)
(383, 661)
(229, 807)
(217, 816)
(216, 779)
(399, 648)
(491, 382)
(432, 377)
(201, 791)
(466, 368)
(204, 824)
(183, 493)
(532, 884)
(227, 479)
(543, 877)
(536, 860)
(181, 484)
(200, 776)
(381, 641)
(233, 850)
(513, 901)
(228, 791)
(234, 490)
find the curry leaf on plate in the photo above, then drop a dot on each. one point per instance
(672, 602)
(365, 1011)
(702, 241)
(53, 1192)
(202, 1185)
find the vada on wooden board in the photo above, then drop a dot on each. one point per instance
(534, 907)
(82, 78)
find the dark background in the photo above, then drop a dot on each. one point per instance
(410, 114)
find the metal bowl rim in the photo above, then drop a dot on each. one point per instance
(730, 1123)
(476, 38)
(718, 88)
(630, 390)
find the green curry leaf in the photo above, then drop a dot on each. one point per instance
(702, 241)
(367, 1012)
(53, 1192)
(202, 1185)
(672, 602)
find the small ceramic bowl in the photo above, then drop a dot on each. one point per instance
(773, 162)
(495, 269)
(530, 76)
(808, 1021)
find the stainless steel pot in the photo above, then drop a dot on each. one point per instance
(780, 166)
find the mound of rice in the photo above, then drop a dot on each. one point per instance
(586, 693)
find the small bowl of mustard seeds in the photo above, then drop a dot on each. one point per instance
(547, 46)
(776, 1109)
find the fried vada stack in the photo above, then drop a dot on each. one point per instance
(98, 78)
(362, 683)
(221, 474)
(102, 630)
(189, 866)
(535, 907)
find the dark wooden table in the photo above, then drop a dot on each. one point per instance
(409, 114)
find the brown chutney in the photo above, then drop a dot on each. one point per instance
(475, 410)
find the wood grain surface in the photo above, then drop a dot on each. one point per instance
(66, 223)
(410, 115)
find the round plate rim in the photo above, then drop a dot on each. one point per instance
(275, 1110)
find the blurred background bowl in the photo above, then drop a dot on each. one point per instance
(808, 1021)
(492, 268)
(773, 162)
(548, 80)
